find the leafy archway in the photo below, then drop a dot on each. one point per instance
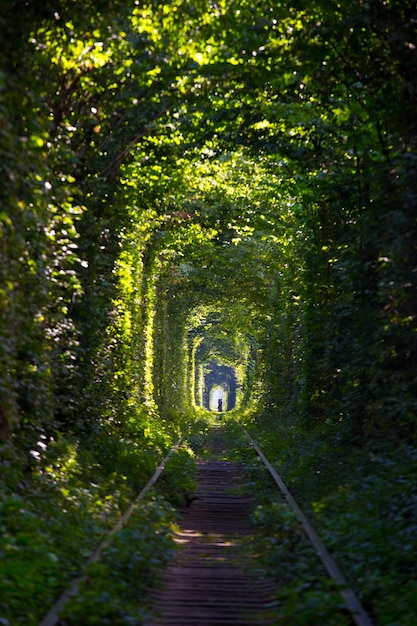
(186, 183)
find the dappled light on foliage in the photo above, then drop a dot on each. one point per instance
(204, 201)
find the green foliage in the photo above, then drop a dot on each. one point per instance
(50, 523)
(178, 480)
(115, 591)
(233, 184)
(361, 501)
(54, 517)
(374, 516)
(305, 594)
(148, 116)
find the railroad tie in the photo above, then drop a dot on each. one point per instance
(211, 582)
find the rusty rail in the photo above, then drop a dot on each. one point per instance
(359, 615)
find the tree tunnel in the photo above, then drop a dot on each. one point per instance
(203, 200)
(220, 364)
(230, 156)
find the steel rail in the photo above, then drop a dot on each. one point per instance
(53, 616)
(359, 614)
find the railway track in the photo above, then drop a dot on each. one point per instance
(214, 580)
(210, 581)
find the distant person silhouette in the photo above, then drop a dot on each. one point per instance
(220, 405)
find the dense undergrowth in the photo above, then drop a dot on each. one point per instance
(362, 501)
(115, 592)
(54, 514)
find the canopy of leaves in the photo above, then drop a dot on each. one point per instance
(188, 181)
